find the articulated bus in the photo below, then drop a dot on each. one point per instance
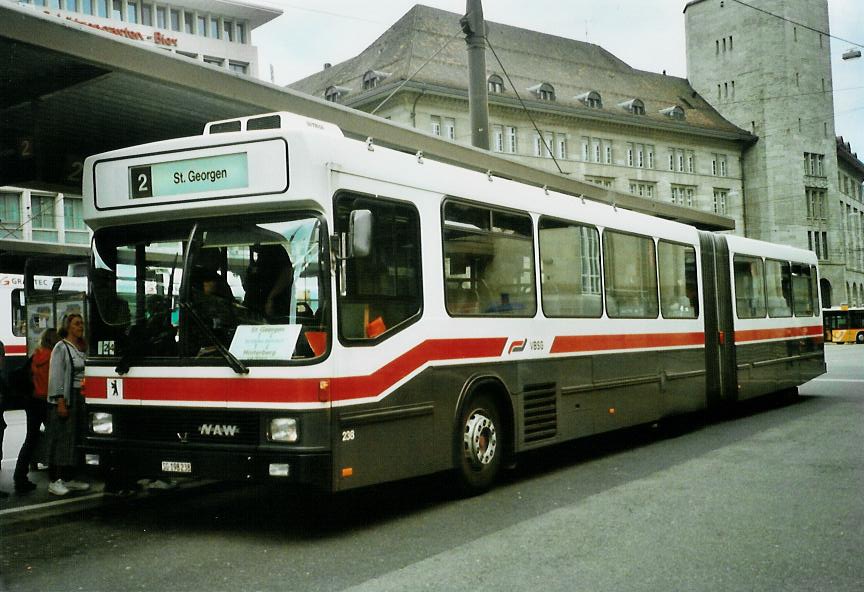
(274, 301)
(844, 324)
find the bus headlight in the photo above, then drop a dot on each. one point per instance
(101, 423)
(283, 429)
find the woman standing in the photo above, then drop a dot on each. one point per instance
(65, 404)
(37, 408)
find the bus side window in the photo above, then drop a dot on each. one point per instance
(381, 290)
(749, 287)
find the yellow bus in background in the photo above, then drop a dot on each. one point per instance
(844, 324)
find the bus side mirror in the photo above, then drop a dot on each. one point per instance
(360, 233)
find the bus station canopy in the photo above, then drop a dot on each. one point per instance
(68, 91)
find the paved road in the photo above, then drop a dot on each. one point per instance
(771, 500)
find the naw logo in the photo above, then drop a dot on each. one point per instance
(209, 429)
(517, 346)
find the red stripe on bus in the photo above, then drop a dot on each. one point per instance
(16, 350)
(305, 390)
(587, 343)
(814, 331)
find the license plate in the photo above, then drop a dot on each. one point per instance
(170, 466)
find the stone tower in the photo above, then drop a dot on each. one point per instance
(766, 66)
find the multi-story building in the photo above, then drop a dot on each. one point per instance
(216, 32)
(554, 103)
(732, 138)
(768, 69)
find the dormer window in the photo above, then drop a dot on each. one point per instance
(373, 78)
(590, 99)
(334, 94)
(634, 106)
(495, 84)
(543, 91)
(675, 112)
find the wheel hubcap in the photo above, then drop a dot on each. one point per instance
(480, 439)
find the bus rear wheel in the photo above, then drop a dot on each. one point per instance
(859, 338)
(479, 445)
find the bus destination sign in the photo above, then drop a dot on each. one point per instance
(195, 175)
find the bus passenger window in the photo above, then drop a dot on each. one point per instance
(570, 269)
(679, 293)
(778, 286)
(488, 262)
(380, 292)
(630, 272)
(802, 285)
(749, 287)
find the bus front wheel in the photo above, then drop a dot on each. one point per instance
(479, 444)
(859, 338)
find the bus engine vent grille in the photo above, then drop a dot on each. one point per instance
(540, 409)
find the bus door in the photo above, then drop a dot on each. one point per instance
(51, 294)
(721, 382)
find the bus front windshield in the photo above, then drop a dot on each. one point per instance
(247, 290)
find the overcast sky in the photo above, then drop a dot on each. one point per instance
(647, 34)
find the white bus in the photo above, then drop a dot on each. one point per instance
(274, 301)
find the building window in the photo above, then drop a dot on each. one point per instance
(495, 84)
(238, 67)
(373, 78)
(334, 94)
(634, 106)
(629, 154)
(498, 138)
(436, 125)
(147, 14)
(73, 220)
(241, 32)
(214, 61)
(601, 181)
(691, 162)
(214, 27)
(675, 112)
(814, 164)
(543, 91)
(42, 218)
(131, 11)
(201, 26)
(450, 128)
(642, 189)
(720, 197)
(102, 8)
(562, 146)
(10, 214)
(175, 20)
(591, 99)
(815, 203)
(682, 195)
(117, 10)
(512, 145)
(228, 27)
(189, 22)
(608, 151)
(718, 165)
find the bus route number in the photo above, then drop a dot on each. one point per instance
(141, 179)
(347, 435)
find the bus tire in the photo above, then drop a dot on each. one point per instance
(860, 337)
(479, 444)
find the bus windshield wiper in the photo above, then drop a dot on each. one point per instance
(236, 365)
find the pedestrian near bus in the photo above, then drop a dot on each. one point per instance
(65, 405)
(36, 409)
(3, 389)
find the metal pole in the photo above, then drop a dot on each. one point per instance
(474, 28)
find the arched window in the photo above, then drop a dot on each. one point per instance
(373, 78)
(675, 112)
(591, 99)
(543, 91)
(495, 84)
(634, 106)
(334, 94)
